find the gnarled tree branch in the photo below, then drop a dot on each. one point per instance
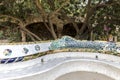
(21, 25)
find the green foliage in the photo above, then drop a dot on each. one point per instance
(75, 8)
(1, 34)
(51, 5)
(13, 35)
(18, 8)
(108, 15)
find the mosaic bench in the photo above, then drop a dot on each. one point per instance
(16, 52)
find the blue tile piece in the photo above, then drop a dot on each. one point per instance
(11, 60)
(19, 59)
(3, 61)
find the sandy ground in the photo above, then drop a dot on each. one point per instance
(83, 76)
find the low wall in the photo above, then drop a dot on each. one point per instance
(12, 50)
(16, 52)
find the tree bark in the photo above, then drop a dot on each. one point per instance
(51, 27)
(88, 15)
(21, 25)
(29, 33)
(23, 36)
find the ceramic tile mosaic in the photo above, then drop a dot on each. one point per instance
(15, 53)
(68, 42)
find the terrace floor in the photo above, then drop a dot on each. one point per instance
(82, 75)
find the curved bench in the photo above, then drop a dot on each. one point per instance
(20, 51)
(55, 65)
(54, 62)
(17, 52)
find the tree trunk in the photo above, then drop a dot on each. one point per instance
(59, 24)
(91, 35)
(76, 27)
(51, 27)
(59, 30)
(25, 32)
(23, 36)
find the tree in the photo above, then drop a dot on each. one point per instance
(12, 10)
(92, 14)
(50, 11)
